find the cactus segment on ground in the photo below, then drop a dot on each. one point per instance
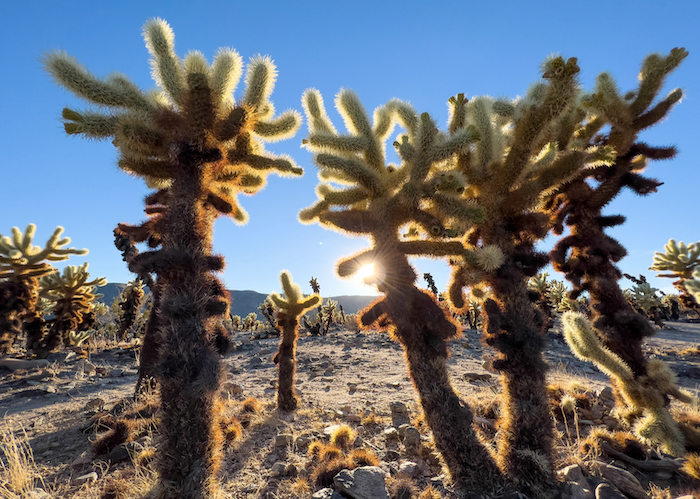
(200, 148)
(290, 308)
(361, 194)
(21, 265)
(587, 256)
(648, 393)
(681, 261)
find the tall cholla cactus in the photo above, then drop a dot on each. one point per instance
(291, 307)
(647, 393)
(378, 199)
(200, 148)
(21, 266)
(680, 260)
(588, 255)
(523, 152)
(73, 295)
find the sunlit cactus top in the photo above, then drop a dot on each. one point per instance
(193, 104)
(73, 280)
(293, 304)
(376, 198)
(679, 259)
(20, 258)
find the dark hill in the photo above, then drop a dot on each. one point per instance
(245, 302)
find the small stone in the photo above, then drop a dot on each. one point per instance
(50, 389)
(272, 458)
(399, 414)
(85, 366)
(284, 440)
(232, 388)
(124, 451)
(90, 477)
(95, 404)
(279, 468)
(291, 470)
(477, 377)
(365, 482)
(81, 461)
(622, 479)
(572, 473)
(408, 467)
(391, 434)
(412, 440)
(607, 491)
(302, 441)
(116, 373)
(392, 455)
(326, 493)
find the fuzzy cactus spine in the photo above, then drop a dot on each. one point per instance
(199, 148)
(291, 307)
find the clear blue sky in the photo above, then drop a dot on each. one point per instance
(422, 52)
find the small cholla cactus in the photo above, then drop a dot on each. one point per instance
(248, 322)
(21, 266)
(693, 285)
(648, 393)
(131, 299)
(79, 337)
(680, 261)
(290, 308)
(73, 295)
(201, 149)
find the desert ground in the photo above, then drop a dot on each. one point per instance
(347, 377)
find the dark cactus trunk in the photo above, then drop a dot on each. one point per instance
(420, 325)
(148, 359)
(191, 307)
(286, 363)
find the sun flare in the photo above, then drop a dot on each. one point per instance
(365, 272)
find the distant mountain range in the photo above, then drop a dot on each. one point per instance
(245, 302)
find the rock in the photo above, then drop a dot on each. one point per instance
(61, 357)
(90, 477)
(124, 451)
(399, 414)
(284, 440)
(392, 455)
(477, 377)
(365, 482)
(279, 469)
(391, 434)
(622, 479)
(579, 487)
(15, 364)
(116, 373)
(607, 491)
(95, 404)
(330, 430)
(411, 440)
(231, 388)
(302, 441)
(81, 461)
(85, 366)
(326, 493)
(408, 467)
(572, 473)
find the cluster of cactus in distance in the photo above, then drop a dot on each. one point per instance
(480, 194)
(22, 265)
(199, 148)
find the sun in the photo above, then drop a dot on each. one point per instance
(365, 272)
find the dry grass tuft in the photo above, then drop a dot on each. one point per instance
(343, 437)
(691, 466)
(18, 471)
(402, 487)
(430, 493)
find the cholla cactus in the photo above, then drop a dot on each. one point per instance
(77, 338)
(73, 295)
(379, 199)
(680, 260)
(524, 151)
(21, 266)
(200, 148)
(249, 320)
(693, 285)
(132, 297)
(645, 296)
(647, 393)
(588, 255)
(290, 308)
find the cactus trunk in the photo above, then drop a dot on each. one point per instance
(286, 363)
(148, 359)
(189, 371)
